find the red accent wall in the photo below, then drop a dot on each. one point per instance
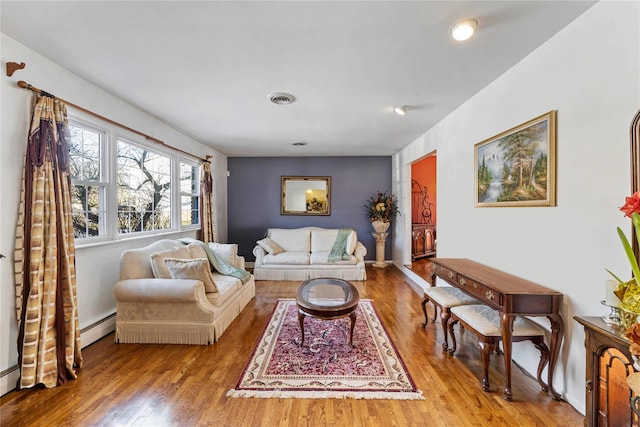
(424, 171)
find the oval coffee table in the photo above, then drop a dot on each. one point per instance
(327, 298)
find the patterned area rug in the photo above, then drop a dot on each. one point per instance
(326, 366)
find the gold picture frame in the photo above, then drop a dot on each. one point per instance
(305, 195)
(518, 166)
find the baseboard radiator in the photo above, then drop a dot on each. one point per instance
(89, 335)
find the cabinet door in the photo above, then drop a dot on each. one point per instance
(613, 393)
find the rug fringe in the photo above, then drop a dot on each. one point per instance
(275, 394)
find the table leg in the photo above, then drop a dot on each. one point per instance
(301, 321)
(353, 324)
(557, 329)
(506, 321)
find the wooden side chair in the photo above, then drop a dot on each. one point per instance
(484, 322)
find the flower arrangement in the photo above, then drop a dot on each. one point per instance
(382, 207)
(629, 292)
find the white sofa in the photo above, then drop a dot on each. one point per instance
(305, 255)
(154, 309)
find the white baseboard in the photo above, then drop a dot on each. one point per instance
(98, 330)
(414, 277)
(89, 335)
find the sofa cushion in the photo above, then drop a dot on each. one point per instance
(323, 240)
(351, 242)
(160, 270)
(291, 240)
(198, 269)
(227, 252)
(270, 246)
(318, 258)
(227, 286)
(287, 258)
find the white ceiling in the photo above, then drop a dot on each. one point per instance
(206, 67)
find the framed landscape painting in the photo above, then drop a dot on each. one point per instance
(517, 167)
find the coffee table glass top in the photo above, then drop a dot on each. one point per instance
(327, 293)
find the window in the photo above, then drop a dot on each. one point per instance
(88, 200)
(124, 187)
(144, 189)
(189, 195)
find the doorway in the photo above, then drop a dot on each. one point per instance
(423, 207)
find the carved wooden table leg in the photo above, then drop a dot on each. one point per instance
(486, 348)
(506, 323)
(557, 330)
(353, 317)
(301, 321)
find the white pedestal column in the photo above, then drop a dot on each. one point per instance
(380, 241)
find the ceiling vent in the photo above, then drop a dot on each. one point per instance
(280, 98)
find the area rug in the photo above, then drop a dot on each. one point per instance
(326, 366)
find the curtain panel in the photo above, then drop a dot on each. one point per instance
(207, 224)
(46, 302)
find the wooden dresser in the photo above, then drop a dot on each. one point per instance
(608, 365)
(423, 240)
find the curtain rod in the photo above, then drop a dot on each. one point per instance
(25, 85)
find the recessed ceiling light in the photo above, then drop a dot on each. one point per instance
(401, 109)
(298, 144)
(463, 30)
(281, 98)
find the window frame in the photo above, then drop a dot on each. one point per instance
(193, 163)
(109, 164)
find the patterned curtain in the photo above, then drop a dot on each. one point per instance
(46, 303)
(207, 223)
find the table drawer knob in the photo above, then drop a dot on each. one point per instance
(451, 275)
(463, 282)
(490, 295)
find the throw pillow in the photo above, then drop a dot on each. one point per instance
(158, 267)
(198, 269)
(270, 246)
(227, 252)
(196, 251)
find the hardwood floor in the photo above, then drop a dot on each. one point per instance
(174, 385)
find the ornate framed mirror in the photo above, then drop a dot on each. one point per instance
(306, 195)
(635, 170)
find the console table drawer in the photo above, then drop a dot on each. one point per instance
(480, 291)
(444, 272)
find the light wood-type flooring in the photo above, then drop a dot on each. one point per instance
(174, 385)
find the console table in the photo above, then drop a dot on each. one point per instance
(511, 296)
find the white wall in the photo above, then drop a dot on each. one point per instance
(97, 267)
(589, 72)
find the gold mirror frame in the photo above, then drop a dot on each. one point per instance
(305, 195)
(635, 170)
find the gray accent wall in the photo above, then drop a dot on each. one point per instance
(254, 196)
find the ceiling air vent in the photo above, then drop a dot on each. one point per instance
(281, 98)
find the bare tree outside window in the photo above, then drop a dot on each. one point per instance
(85, 166)
(144, 189)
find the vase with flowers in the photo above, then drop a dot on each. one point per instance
(628, 292)
(381, 210)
